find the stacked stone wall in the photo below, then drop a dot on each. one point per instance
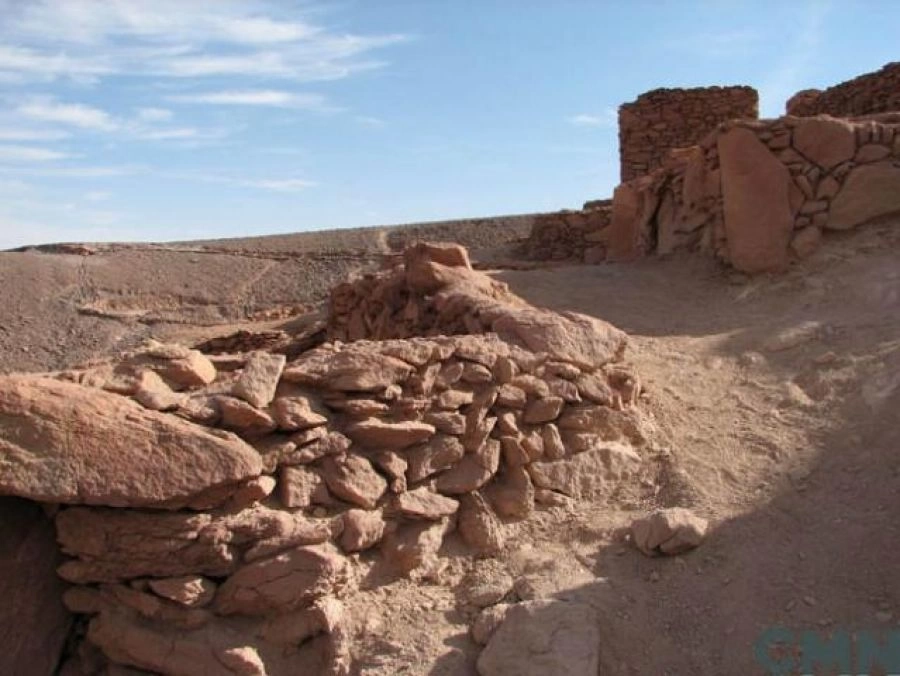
(571, 235)
(664, 119)
(868, 94)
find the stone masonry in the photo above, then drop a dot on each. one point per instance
(868, 94)
(664, 119)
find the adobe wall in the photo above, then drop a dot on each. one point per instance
(663, 119)
(868, 94)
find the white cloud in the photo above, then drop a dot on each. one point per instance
(257, 97)
(370, 121)
(22, 134)
(83, 171)
(97, 196)
(154, 114)
(73, 114)
(167, 134)
(91, 39)
(280, 185)
(606, 119)
(16, 153)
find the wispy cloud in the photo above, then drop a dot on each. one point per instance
(607, 118)
(153, 114)
(23, 134)
(17, 153)
(92, 39)
(71, 114)
(258, 97)
(280, 185)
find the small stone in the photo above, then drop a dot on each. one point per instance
(479, 526)
(424, 504)
(352, 478)
(192, 591)
(668, 531)
(375, 433)
(488, 621)
(257, 382)
(543, 410)
(294, 414)
(362, 530)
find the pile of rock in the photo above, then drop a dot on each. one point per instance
(571, 235)
(215, 513)
(661, 120)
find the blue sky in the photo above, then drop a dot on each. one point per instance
(164, 120)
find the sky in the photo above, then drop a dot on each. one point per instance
(157, 120)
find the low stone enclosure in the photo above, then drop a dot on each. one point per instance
(214, 511)
(755, 193)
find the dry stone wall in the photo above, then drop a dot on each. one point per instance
(664, 119)
(571, 235)
(759, 193)
(868, 94)
(215, 514)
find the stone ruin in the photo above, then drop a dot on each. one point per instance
(868, 94)
(213, 511)
(661, 120)
(757, 194)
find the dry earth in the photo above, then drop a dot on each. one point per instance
(776, 403)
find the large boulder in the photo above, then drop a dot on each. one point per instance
(825, 140)
(870, 191)
(758, 216)
(65, 443)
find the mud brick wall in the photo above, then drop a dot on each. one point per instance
(665, 119)
(868, 94)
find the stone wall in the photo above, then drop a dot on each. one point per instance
(218, 515)
(664, 119)
(759, 193)
(868, 94)
(571, 235)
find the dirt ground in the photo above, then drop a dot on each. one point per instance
(775, 404)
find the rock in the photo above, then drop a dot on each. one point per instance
(553, 445)
(588, 475)
(825, 140)
(238, 415)
(394, 466)
(511, 396)
(259, 379)
(479, 526)
(806, 241)
(283, 583)
(472, 472)
(505, 369)
(352, 478)
(34, 621)
(422, 503)
(668, 531)
(449, 375)
(414, 545)
(250, 492)
(450, 400)
(362, 530)
(870, 191)
(543, 410)
(294, 530)
(64, 443)
(514, 455)
(300, 487)
(447, 422)
(294, 413)
(433, 456)
(476, 374)
(192, 591)
(357, 368)
(512, 493)
(153, 393)
(378, 434)
(110, 545)
(544, 637)
(446, 253)
(179, 365)
(595, 388)
(488, 621)
(532, 385)
(568, 336)
(758, 216)
(243, 660)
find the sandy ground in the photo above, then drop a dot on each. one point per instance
(775, 403)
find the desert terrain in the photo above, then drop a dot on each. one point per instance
(773, 403)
